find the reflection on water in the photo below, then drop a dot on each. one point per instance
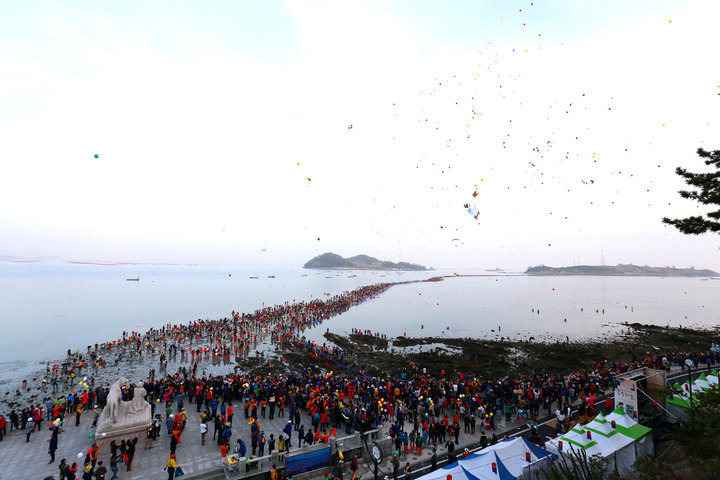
(46, 309)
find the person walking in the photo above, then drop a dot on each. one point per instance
(29, 428)
(113, 466)
(170, 467)
(354, 467)
(96, 414)
(100, 471)
(203, 431)
(63, 468)
(53, 445)
(130, 452)
(395, 467)
(288, 431)
(78, 412)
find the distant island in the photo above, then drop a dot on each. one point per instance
(359, 262)
(621, 270)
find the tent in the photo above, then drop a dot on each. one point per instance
(677, 403)
(506, 460)
(617, 438)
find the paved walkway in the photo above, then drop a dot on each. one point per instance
(29, 460)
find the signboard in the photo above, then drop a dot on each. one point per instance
(307, 462)
(626, 396)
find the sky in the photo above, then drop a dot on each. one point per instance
(269, 132)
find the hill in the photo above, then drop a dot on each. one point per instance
(621, 270)
(359, 262)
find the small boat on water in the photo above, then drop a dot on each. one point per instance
(254, 278)
(133, 279)
(271, 276)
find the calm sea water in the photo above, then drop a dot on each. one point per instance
(47, 308)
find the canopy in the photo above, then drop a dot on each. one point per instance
(510, 458)
(702, 383)
(617, 438)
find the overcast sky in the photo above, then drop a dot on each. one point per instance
(268, 132)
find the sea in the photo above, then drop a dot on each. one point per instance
(48, 308)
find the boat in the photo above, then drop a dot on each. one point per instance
(271, 276)
(133, 279)
(254, 278)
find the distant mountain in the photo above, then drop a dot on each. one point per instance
(359, 262)
(621, 270)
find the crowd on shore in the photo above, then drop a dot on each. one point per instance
(421, 410)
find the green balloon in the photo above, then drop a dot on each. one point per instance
(96, 155)
(89, 435)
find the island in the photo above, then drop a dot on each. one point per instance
(620, 270)
(333, 261)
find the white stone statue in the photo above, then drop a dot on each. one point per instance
(138, 403)
(114, 398)
(119, 416)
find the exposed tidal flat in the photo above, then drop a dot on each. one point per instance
(47, 309)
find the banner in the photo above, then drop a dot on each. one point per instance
(626, 396)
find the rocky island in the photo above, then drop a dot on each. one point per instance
(619, 270)
(334, 261)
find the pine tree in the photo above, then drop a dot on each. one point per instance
(707, 192)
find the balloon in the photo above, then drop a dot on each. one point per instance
(96, 155)
(103, 434)
(89, 435)
(80, 455)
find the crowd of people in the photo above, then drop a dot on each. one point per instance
(418, 411)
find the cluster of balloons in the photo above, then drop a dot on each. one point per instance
(56, 423)
(85, 382)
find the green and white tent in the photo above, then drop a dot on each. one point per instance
(617, 438)
(682, 399)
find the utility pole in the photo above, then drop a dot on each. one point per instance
(689, 364)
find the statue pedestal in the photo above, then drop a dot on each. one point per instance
(126, 426)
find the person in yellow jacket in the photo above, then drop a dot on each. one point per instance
(170, 466)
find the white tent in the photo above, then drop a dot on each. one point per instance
(682, 399)
(617, 438)
(506, 460)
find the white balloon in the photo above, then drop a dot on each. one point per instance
(80, 455)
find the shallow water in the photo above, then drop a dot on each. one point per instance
(47, 308)
(519, 307)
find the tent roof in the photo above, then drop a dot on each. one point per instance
(509, 457)
(627, 426)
